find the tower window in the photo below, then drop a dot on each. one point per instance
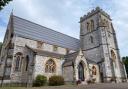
(113, 56)
(88, 27)
(109, 35)
(27, 62)
(92, 25)
(91, 39)
(11, 35)
(107, 24)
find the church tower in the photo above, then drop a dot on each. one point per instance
(99, 45)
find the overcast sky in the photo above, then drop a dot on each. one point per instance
(63, 15)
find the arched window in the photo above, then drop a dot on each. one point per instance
(27, 62)
(107, 24)
(92, 25)
(50, 66)
(112, 62)
(18, 61)
(88, 27)
(113, 56)
(93, 70)
(91, 39)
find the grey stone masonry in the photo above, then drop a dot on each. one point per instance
(99, 44)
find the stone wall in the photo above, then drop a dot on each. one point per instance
(40, 62)
(68, 73)
(104, 40)
(19, 41)
(19, 46)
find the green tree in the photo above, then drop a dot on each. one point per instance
(125, 60)
(3, 3)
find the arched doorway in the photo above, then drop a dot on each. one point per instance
(81, 71)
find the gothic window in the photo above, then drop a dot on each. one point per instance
(55, 48)
(87, 26)
(27, 62)
(93, 70)
(107, 24)
(91, 39)
(109, 35)
(113, 56)
(112, 62)
(11, 35)
(92, 25)
(18, 61)
(50, 66)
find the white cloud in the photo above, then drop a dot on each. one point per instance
(119, 14)
(62, 16)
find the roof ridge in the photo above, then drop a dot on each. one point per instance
(44, 27)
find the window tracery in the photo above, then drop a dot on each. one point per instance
(50, 66)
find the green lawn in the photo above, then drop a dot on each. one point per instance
(90, 86)
(44, 87)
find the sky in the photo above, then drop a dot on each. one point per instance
(64, 15)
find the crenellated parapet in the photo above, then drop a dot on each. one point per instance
(93, 12)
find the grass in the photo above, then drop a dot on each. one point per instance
(43, 87)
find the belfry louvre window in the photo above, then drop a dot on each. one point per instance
(92, 25)
(91, 39)
(50, 66)
(88, 27)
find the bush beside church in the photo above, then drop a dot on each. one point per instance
(54, 80)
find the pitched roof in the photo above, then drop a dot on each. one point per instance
(27, 29)
(46, 53)
(70, 58)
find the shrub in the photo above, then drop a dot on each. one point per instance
(56, 80)
(40, 81)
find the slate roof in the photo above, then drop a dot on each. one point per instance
(70, 59)
(27, 29)
(46, 53)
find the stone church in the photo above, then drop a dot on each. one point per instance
(30, 49)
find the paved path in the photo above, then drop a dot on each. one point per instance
(91, 86)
